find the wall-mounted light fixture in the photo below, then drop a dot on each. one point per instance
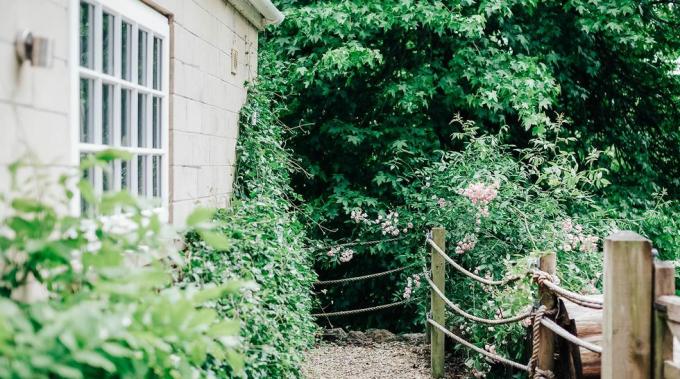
(34, 49)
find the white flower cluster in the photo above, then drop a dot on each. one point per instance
(468, 243)
(411, 282)
(89, 231)
(359, 216)
(389, 224)
(575, 238)
(119, 224)
(345, 255)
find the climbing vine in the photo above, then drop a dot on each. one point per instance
(266, 242)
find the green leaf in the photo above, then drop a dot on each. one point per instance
(236, 361)
(113, 154)
(225, 328)
(200, 215)
(214, 239)
(93, 359)
(28, 205)
(66, 372)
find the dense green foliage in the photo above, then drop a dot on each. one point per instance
(373, 85)
(266, 244)
(95, 296)
(501, 213)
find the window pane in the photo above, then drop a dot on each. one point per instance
(86, 111)
(141, 56)
(142, 175)
(86, 35)
(126, 51)
(107, 177)
(156, 122)
(107, 114)
(141, 121)
(125, 116)
(88, 175)
(156, 175)
(107, 43)
(124, 175)
(157, 62)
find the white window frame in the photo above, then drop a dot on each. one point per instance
(141, 17)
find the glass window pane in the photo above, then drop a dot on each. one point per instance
(126, 51)
(142, 38)
(88, 175)
(107, 114)
(157, 62)
(156, 122)
(86, 35)
(125, 116)
(86, 110)
(107, 177)
(156, 175)
(124, 175)
(141, 121)
(107, 43)
(142, 175)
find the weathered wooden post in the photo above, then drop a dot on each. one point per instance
(438, 310)
(628, 297)
(546, 353)
(664, 285)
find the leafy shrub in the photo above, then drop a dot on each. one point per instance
(265, 244)
(94, 296)
(376, 82)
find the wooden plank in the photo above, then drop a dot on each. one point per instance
(546, 352)
(671, 370)
(588, 326)
(664, 284)
(628, 300)
(438, 311)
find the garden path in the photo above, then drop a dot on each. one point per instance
(389, 360)
(374, 354)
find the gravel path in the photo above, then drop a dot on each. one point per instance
(389, 360)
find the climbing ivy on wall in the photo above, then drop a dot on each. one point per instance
(266, 243)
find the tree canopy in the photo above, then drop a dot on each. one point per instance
(375, 83)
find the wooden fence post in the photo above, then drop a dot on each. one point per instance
(627, 319)
(546, 353)
(664, 285)
(438, 310)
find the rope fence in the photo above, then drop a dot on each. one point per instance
(469, 274)
(363, 310)
(545, 279)
(540, 316)
(488, 354)
(570, 337)
(363, 277)
(356, 243)
(471, 317)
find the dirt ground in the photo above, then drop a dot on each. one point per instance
(393, 360)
